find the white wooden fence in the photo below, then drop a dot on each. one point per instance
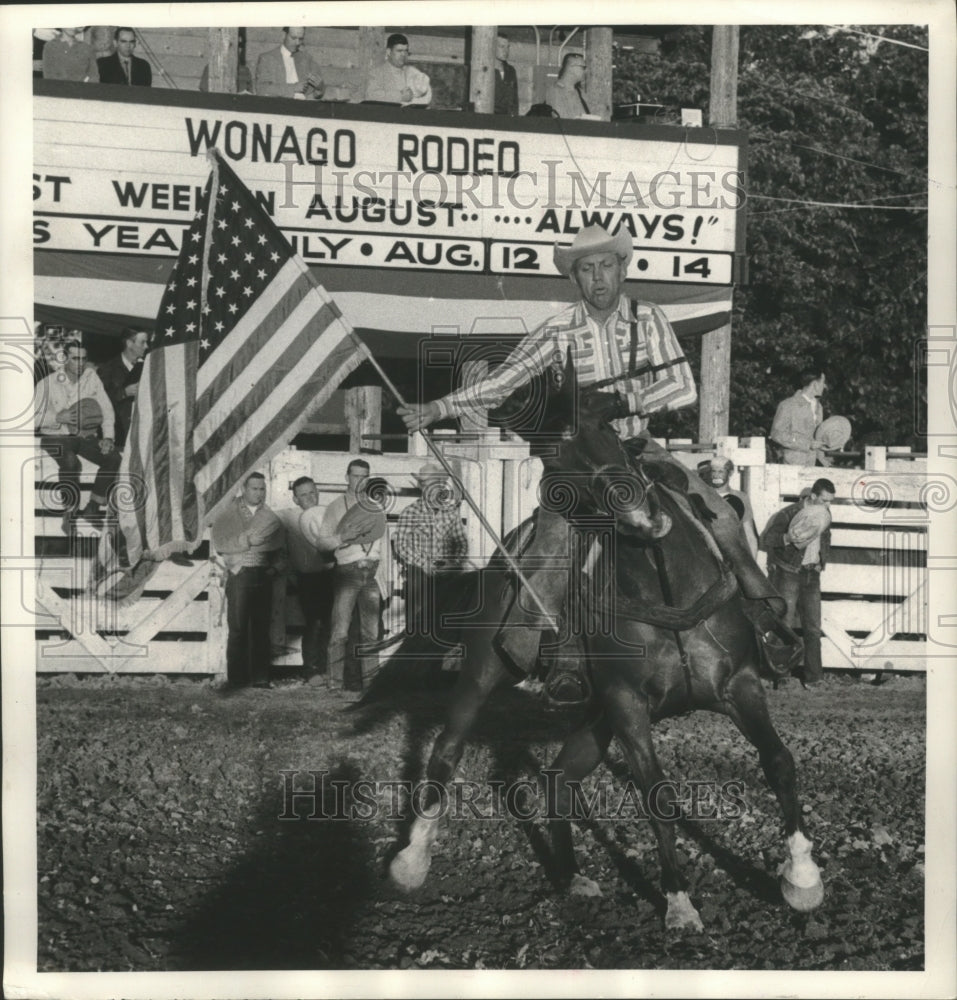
(875, 588)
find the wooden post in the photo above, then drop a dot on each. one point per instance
(598, 47)
(370, 53)
(715, 388)
(482, 69)
(223, 47)
(364, 416)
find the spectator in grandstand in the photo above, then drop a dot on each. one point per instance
(395, 81)
(121, 376)
(565, 94)
(69, 57)
(288, 70)
(122, 66)
(74, 419)
(506, 80)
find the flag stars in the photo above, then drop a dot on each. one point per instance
(170, 330)
(196, 236)
(193, 258)
(190, 327)
(274, 256)
(262, 238)
(233, 308)
(204, 344)
(219, 326)
(234, 275)
(190, 282)
(191, 304)
(221, 257)
(220, 291)
(248, 223)
(248, 257)
(247, 290)
(261, 274)
(206, 309)
(221, 224)
(235, 241)
(235, 206)
(171, 308)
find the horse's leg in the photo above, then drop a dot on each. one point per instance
(746, 704)
(410, 866)
(631, 722)
(582, 752)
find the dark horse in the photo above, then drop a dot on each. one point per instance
(679, 642)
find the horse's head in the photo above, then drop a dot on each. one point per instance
(587, 469)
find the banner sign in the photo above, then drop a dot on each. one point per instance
(123, 177)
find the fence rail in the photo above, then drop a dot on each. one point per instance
(875, 588)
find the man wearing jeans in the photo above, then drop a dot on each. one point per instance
(797, 540)
(353, 530)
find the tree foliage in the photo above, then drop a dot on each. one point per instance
(831, 116)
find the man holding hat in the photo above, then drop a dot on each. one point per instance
(797, 540)
(353, 529)
(430, 540)
(629, 347)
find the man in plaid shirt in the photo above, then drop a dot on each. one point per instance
(430, 540)
(610, 338)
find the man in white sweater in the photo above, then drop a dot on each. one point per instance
(74, 418)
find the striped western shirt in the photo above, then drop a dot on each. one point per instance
(599, 352)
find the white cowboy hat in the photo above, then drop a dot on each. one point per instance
(431, 470)
(835, 432)
(592, 239)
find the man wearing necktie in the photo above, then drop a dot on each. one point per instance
(123, 67)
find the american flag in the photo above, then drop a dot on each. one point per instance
(247, 345)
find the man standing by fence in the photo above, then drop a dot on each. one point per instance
(797, 540)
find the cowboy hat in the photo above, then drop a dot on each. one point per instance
(835, 432)
(592, 239)
(430, 470)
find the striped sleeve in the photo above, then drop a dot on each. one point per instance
(673, 387)
(530, 358)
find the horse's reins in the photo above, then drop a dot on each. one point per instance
(633, 371)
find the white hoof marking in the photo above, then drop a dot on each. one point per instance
(681, 914)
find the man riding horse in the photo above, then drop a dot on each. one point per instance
(628, 347)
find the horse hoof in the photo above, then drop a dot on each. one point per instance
(407, 872)
(681, 914)
(802, 898)
(581, 886)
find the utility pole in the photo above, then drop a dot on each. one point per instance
(223, 48)
(715, 382)
(482, 69)
(600, 55)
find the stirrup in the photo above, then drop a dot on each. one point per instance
(781, 657)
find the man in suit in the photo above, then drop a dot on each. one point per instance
(506, 80)
(288, 70)
(120, 377)
(123, 67)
